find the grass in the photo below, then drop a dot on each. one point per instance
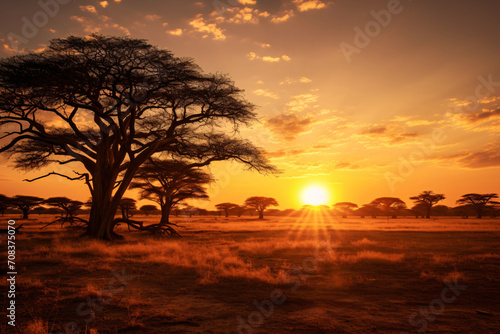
(369, 275)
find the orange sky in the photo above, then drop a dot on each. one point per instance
(414, 107)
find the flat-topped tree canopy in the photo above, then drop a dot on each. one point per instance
(109, 104)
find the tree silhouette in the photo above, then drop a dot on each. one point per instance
(260, 204)
(345, 208)
(126, 205)
(226, 207)
(4, 203)
(478, 201)
(113, 103)
(389, 205)
(70, 210)
(239, 210)
(25, 204)
(148, 209)
(168, 183)
(428, 199)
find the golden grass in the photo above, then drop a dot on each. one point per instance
(369, 256)
(364, 242)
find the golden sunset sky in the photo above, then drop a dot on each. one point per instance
(368, 98)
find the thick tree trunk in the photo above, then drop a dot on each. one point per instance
(428, 215)
(261, 214)
(165, 214)
(26, 213)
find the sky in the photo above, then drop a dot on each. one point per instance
(365, 98)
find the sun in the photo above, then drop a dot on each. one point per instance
(315, 195)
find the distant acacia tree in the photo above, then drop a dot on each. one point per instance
(389, 205)
(126, 206)
(108, 104)
(25, 204)
(226, 207)
(70, 210)
(260, 204)
(4, 203)
(168, 183)
(148, 209)
(239, 210)
(368, 210)
(345, 207)
(428, 199)
(479, 202)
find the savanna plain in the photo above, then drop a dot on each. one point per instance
(310, 274)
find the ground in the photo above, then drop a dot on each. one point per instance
(310, 274)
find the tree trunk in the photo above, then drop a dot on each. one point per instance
(428, 215)
(165, 214)
(26, 213)
(261, 214)
(227, 214)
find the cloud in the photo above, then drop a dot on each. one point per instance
(481, 116)
(304, 6)
(389, 134)
(88, 8)
(486, 158)
(241, 15)
(376, 130)
(103, 4)
(264, 45)
(289, 126)
(289, 81)
(268, 59)
(266, 93)
(152, 17)
(302, 102)
(283, 18)
(90, 26)
(207, 29)
(247, 2)
(175, 32)
(285, 153)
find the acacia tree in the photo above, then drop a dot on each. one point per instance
(107, 105)
(25, 204)
(168, 183)
(478, 201)
(345, 207)
(389, 205)
(70, 210)
(126, 205)
(427, 199)
(239, 210)
(260, 204)
(148, 209)
(226, 207)
(4, 203)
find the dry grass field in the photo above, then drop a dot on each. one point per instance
(312, 274)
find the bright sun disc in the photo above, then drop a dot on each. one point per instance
(315, 195)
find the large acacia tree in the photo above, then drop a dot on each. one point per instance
(109, 104)
(428, 199)
(479, 202)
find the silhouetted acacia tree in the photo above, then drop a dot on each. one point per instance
(148, 209)
(345, 208)
(260, 204)
(479, 202)
(126, 206)
(226, 207)
(389, 205)
(109, 104)
(168, 183)
(428, 199)
(4, 203)
(239, 210)
(25, 204)
(70, 210)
